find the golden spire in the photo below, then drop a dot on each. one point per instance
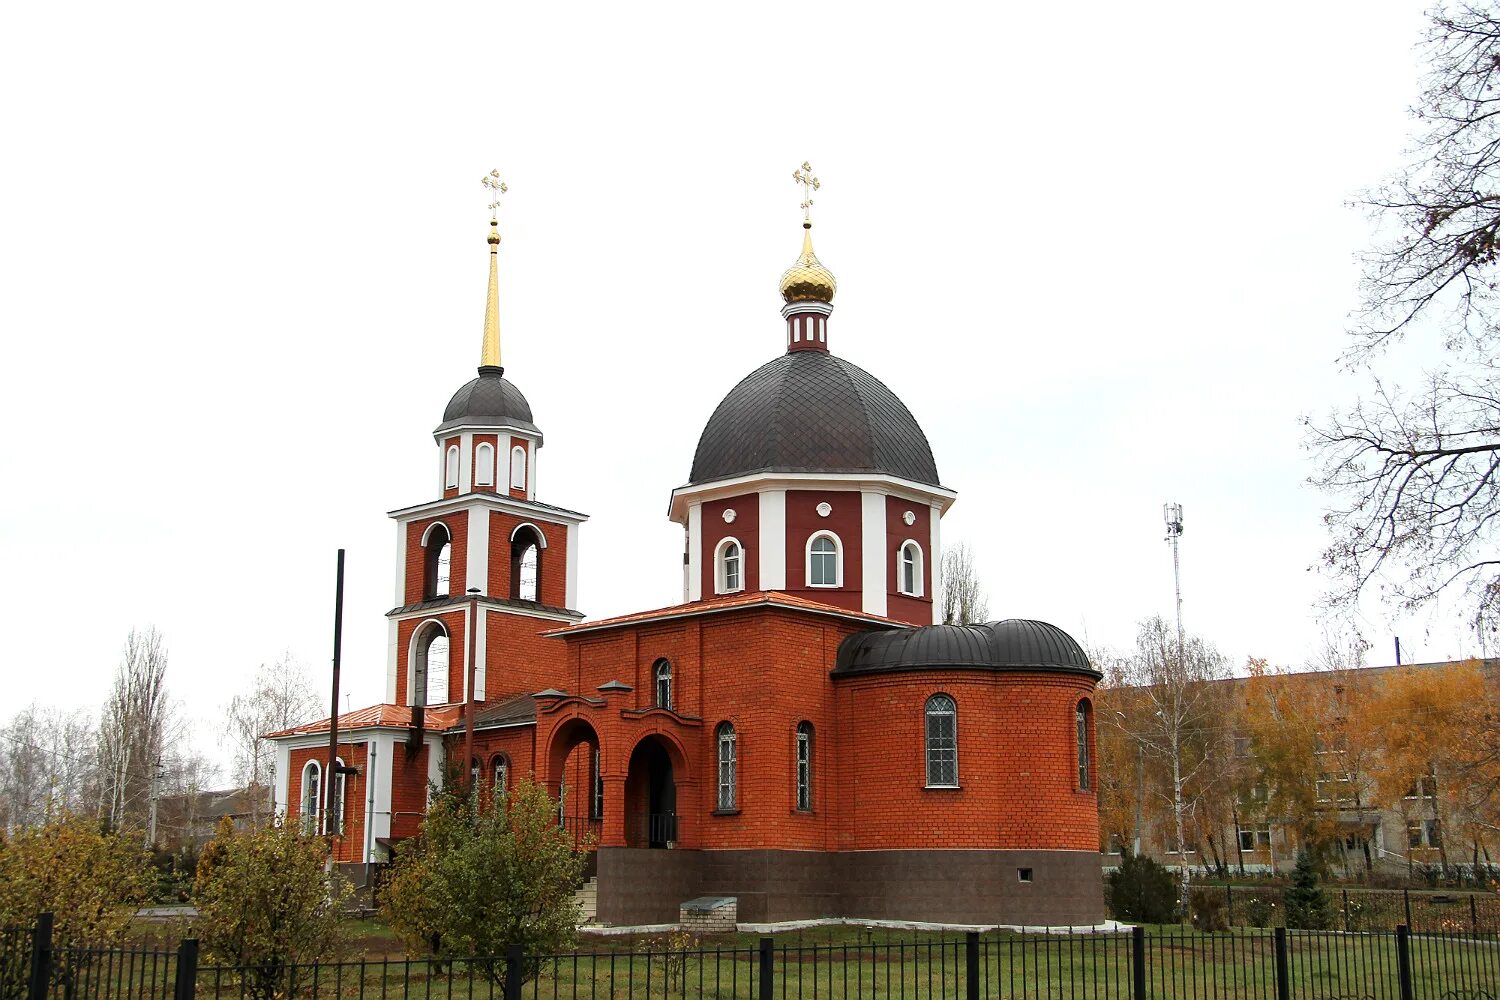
(807, 280)
(489, 355)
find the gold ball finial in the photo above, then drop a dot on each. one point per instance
(807, 280)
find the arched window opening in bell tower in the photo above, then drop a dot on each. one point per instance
(518, 468)
(438, 565)
(484, 465)
(450, 468)
(663, 684)
(526, 547)
(429, 673)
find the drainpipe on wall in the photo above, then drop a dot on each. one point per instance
(369, 801)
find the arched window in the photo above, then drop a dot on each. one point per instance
(518, 468)
(724, 737)
(1081, 728)
(476, 772)
(804, 766)
(910, 568)
(438, 564)
(450, 467)
(728, 567)
(526, 564)
(430, 666)
(942, 742)
(312, 792)
(663, 684)
(500, 771)
(336, 787)
(824, 561)
(484, 465)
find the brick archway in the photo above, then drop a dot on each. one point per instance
(574, 760)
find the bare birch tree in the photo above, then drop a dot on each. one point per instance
(281, 697)
(47, 765)
(963, 597)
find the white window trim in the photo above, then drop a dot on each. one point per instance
(656, 701)
(919, 566)
(512, 467)
(479, 477)
(411, 657)
(450, 468)
(722, 730)
(838, 561)
(317, 803)
(926, 740)
(428, 532)
(719, 569)
(541, 538)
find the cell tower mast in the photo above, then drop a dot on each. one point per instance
(1172, 514)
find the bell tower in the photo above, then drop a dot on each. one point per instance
(484, 567)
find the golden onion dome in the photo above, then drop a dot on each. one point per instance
(808, 280)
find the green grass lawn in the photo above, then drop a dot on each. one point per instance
(847, 962)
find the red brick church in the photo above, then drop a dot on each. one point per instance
(798, 733)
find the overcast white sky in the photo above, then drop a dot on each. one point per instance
(1102, 251)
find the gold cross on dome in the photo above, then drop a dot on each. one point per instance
(809, 184)
(496, 187)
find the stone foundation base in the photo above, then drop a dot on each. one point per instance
(1058, 888)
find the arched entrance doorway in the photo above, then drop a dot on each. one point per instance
(651, 796)
(575, 780)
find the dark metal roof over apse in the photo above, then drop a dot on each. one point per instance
(1013, 644)
(809, 411)
(489, 399)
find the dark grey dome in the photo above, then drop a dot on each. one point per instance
(1014, 644)
(809, 411)
(489, 400)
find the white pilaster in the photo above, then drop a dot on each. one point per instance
(532, 454)
(400, 564)
(772, 542)
(477, 568)
(935, 560)
(695, 553)
(380, 780)
(479, 652)
(283, 777)
(570, 585)
(435, 761)
(465, 462)
(872, 551)
(392, 661)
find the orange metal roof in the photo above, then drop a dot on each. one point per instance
(731, 602)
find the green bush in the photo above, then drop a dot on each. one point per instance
(1259, 911)
(1142, 891)
(1208, 909)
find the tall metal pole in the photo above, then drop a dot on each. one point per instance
(1172, 513)
(333, 721)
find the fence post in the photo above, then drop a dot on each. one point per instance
(1138, 963)
(41, 958)
(1406, 902)
(1403, 959)
(1283, 973)
(513, 971)
(185, 986)
(971, 965)
(767, 972)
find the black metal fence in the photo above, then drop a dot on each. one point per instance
(1366, 909)
(1271, 964)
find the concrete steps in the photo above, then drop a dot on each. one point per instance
(588, 901)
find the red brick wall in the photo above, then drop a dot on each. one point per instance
(416, 556)
(916, 610)
(349, 846)
(802, 522)
(746, 528)
(1017, 765)
(518, 660)
(553, 560)
(408, 791)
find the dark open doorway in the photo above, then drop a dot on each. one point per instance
(653, 796)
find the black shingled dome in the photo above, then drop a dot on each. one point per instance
(810, 411)
(489, 399)
(1013, 644)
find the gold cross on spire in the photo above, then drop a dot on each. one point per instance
(809, 185)
(496, 188)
